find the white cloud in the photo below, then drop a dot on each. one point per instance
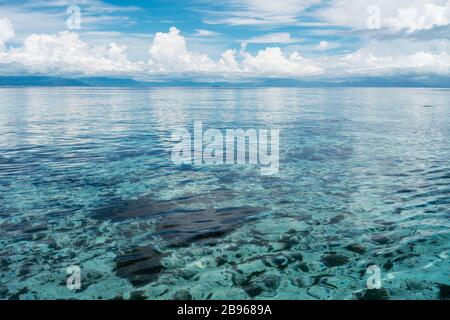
(66, 53)
(419, 62)
(271, 38)
(89, 5)
(50, 16)
(410, 15)
(323, 45)
(260, 12)
(272, 62)
(228, 62)
(169, 53)
(420, 18)
(205, 33)
(397, 57)
(6, 32)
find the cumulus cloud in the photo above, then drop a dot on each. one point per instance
(411, 15)
(169, 54)
(228, 62)
(272, 61)
(65, 53)
(397, 57)
(419, 62)
(425, 17)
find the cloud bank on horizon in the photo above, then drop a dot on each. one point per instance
(233, 39)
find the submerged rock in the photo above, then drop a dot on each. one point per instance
(253, 290)
(138, 295)
(380, 239)
(148, 207)
(183, 227)
(3, 291)
(266, 283)
(289, 242)
(279, 262)
(90, 277)
(247, 283)
(336, 219)
(417, 285)
(335, 260)
(388, 265)
(296, 256)
(140, 265)
(357, 248)
(187, 274)
(4, 263)
(127, 209)
(269, 282)
(303, 266)
(374, 294)
(444, 291)
(18, 294)
(179, 223)
(182, 294)
(221, 260)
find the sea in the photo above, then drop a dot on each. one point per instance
(92, 205)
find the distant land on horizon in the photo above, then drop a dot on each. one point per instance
(378, 82)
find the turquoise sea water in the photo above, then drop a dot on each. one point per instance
(86, 179)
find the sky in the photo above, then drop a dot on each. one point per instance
(225, 40)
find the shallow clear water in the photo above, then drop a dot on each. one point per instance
(86, 179)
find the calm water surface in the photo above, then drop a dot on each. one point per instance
(86, 179)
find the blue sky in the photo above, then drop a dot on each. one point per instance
(229, 39)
